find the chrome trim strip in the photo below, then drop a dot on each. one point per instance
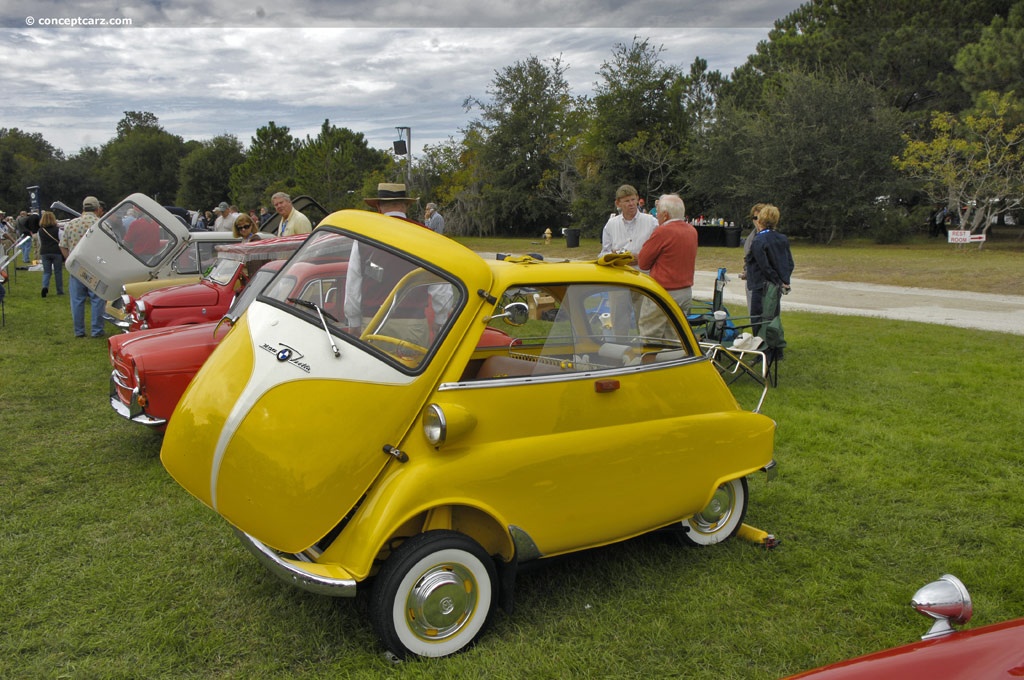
(118, 378)
(291, 572)
(610, 372)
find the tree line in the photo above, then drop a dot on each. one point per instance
(855, 117)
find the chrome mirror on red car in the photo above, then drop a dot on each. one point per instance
(945, 600)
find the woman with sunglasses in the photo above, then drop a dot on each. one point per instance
(245, 229)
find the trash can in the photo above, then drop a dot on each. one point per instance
(572, 238)
(732, 237)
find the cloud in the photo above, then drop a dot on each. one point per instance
(448, 14)
(72, 85)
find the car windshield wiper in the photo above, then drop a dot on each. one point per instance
(323, 322)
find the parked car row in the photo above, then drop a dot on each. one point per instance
(139, 246)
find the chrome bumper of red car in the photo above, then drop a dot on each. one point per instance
(132, 410)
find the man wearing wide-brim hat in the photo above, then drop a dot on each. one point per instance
(372, 276)
(391, 199)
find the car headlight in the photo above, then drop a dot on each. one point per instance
(140, 310)
(443, 423)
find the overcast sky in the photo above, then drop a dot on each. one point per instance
(228, 66)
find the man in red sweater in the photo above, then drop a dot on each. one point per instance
(669, 255)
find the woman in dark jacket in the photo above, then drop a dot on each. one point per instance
(768, 262)
(49, 252)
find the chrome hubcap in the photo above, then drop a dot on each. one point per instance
(442, 601)
(717, 512)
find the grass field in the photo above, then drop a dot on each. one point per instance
(899, 447)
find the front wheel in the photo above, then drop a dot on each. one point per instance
(721, 518)
(433, 596)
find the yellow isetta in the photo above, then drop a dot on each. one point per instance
(406, 477)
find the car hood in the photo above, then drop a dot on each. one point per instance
(188, 295)
(167, 343)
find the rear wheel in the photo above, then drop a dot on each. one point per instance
(433, 595)
(721, 518)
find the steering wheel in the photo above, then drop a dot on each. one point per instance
(397, 342)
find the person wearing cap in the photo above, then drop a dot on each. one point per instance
(434, 219)
(292, 221)
(92, 210)
(218, 217)
(228, 215)
(365, 294)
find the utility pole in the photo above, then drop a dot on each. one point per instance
(408, 152)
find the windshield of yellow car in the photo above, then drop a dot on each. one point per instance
(393, 304)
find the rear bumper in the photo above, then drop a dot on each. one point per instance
(323, 579)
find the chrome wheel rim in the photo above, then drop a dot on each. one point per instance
(716, 514)
(441, 602)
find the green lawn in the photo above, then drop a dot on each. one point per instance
(900, 456)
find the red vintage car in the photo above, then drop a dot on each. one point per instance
(989, 652)
(151, 368)
(209, 299)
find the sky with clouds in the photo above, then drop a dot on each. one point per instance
(230, 66)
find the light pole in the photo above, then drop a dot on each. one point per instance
(408, 152)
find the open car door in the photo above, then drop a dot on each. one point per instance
(307, 205)
(135, 241)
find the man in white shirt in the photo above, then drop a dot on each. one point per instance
(226, 216)
(627, 231)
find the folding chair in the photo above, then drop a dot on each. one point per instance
(771, 331)
(710, 321)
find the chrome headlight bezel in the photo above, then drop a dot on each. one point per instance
(435, 425)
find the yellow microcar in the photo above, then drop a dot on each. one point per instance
(437, 419)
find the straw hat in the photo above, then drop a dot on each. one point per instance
(387, 191)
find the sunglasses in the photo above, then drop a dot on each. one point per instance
(245, 226)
